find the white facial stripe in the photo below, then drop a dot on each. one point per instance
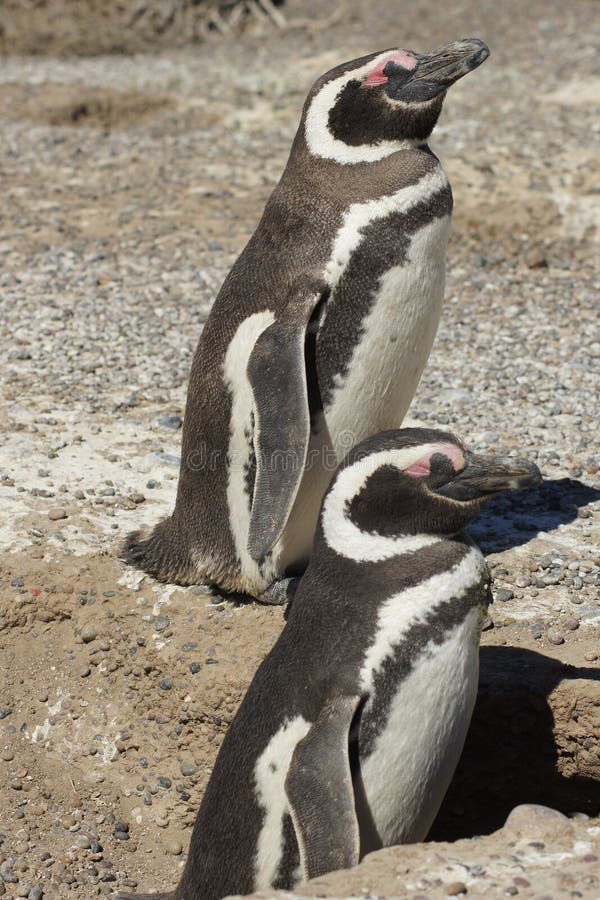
(242, 404)
(270, 773)
(411, 606)
(359, 215)
(343, 535)
(402, 104)
(319, 138)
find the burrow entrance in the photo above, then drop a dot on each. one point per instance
(534, 738)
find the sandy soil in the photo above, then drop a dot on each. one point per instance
(129, 185)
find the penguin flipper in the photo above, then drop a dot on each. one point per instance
(320, 792)
(277, 374)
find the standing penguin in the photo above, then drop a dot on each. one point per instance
(350, 732)
(321, 330)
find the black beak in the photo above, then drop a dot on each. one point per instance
(484, 476)
(447, 64)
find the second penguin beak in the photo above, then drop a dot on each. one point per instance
(484, 476)
(447, 64)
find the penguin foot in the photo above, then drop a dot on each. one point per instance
(160, 553)
(279, 592)
(206, 587)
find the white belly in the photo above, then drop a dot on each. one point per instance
(409, 770)
(398, 333)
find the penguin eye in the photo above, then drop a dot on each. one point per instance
(438, 467)
(397, 74)
(394, 72)
(442, 469)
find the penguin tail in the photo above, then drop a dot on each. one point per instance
(160, 553)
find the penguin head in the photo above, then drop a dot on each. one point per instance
(417, 481)
(370, 107)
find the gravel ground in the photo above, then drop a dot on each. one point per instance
(129, 185)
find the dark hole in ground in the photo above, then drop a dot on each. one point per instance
(534, 738)
(80, 105)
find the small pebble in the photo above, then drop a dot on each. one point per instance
(57, 513)
(88, 634)
(174, 847)
(554, 636)
(477, 870)
(172, 422)
(455, 888)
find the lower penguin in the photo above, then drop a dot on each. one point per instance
(350, 732)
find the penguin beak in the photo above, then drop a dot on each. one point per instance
(484, 476)
(444, 66)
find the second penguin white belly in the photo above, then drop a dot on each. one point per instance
(406, 775)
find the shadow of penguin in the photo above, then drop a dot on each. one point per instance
(533, 739)
(515, 517)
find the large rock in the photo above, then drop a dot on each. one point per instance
(538, 853)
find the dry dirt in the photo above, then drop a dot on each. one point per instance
(129, 185)
(91, 27)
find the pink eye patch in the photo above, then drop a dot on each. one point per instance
(377, 76)
(422, 467)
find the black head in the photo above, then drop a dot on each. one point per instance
(417, 481)
(369, 107)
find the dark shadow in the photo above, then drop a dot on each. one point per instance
(515, 517)
(515, 753)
